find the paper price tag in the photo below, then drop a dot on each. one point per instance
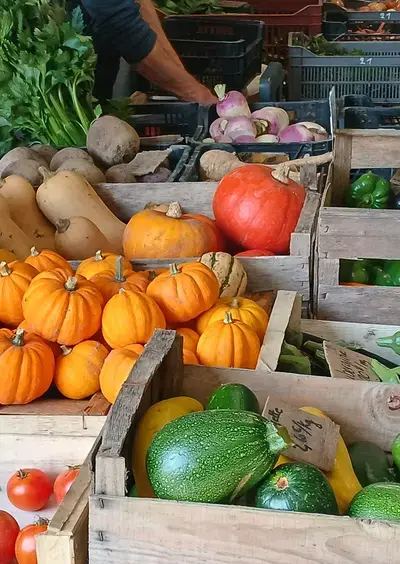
(344, 363)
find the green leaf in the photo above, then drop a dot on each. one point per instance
(385, 374)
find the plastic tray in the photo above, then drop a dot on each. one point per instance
(345, 31)
(178, 159)
(359, 112)
(215, 50)
(375, 74)
(332, 12)
(191, 173)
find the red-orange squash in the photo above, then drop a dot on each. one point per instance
(26, 367)
(129, 318)
(116, 369)
(152, 233)
(185, 291)
(99, 263)
(190, 338)
(15, 278)
(229, 343)
(256, 253)
(62, 308)
(257, 211)
(77, 374)
(47, 260)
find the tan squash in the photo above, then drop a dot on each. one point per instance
(24, 211)
(231, 275)
(12, 238)
(66, 194)
(78, 238)
(7, 256)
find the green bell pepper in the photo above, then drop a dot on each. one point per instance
(355, 271)
(369, 191)
(388, 274)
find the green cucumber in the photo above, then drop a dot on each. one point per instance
(133, 492)
(377, 501)
(297, 486)
(234, 396)
(370, 463)
(214, 455)
(396, 452)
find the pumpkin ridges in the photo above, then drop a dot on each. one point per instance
(15, 279)
(116, 369)
(247, 311)
(46, 260)
(190, 338)
(99, 263)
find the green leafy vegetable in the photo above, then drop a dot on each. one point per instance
(189, 6)
(385, 374)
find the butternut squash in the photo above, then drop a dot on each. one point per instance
(12, 238)
(342, 478)
(78, 238)
(7, 256)
(21, 200)
(66, 194)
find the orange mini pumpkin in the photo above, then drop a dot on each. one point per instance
(229, 343)
(190, 338)
(116, 369)
(109, 282)
(165, 231)
(15, 278)
(242, 309)
(185, 291)
(99, 263)
(189, 357)
(77, 374)
(26, 367)
(62, 308)
(55, 347)
(129, 318)
(47, 260)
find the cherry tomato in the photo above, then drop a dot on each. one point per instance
(29, 489)
(9, 530)
(64, 481)
(25, 545)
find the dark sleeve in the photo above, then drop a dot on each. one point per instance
(119, 24)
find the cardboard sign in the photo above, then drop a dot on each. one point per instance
(315, 438)
(344, 363)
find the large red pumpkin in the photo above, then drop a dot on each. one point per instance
(255, 253)
(257, 211)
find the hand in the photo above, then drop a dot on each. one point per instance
(200, 94)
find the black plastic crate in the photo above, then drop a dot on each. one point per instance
(359, 112)
(178, 159)
(317, 111)
(216, 51)
(192, 173)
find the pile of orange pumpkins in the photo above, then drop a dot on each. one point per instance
(85, 330)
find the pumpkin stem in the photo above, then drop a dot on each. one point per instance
(45, 173)
(98, 256)
(228, 317)
(18, 340)
(65, 350)
(174, 270)
(174, 210)
(71, 284)
(5, 270)
(62, 225)
(121, 291)
(235, 302)
(119, 276)
(152, 275)
(34, 252)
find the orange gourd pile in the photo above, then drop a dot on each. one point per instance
(84, 331)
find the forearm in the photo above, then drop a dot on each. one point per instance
(149, 14)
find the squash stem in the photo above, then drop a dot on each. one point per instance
(119, 276)
(18, 340)
(71, 284)
(5, 270)
(45, 173)
(62, 225)
(34, 252)
(228, 317)
(174, 210)
(235, 302)
(98, 256)
(174, 270)
(65, 350)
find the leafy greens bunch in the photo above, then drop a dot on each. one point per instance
(47, 71)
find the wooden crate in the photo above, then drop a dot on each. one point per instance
(152, 531)
(345, 233)
(51, 434)
(291, 272)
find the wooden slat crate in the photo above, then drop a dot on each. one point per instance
(345, 233)
(152, 531)
(266, 273)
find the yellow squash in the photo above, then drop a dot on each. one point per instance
(152, 421)
(342, 478)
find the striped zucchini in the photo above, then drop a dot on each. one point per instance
(231, 275)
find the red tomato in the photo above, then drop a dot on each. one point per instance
(25, 545)
(29, 489)
(64, 481)
(9, 530)
(256, 253)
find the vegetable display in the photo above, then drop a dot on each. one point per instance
(370, 272)
(369, 191)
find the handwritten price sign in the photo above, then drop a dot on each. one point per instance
(315, 438)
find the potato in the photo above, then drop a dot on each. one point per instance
(46, 152)
(87, 169)
(120, 174)
(68, 153)
(111, 141)
(18, 154)
(27, 168)
(160, 175)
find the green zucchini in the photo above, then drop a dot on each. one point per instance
(234, 396)
(377, 501)
(297, 486)
(370, 463)
(213, 455)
